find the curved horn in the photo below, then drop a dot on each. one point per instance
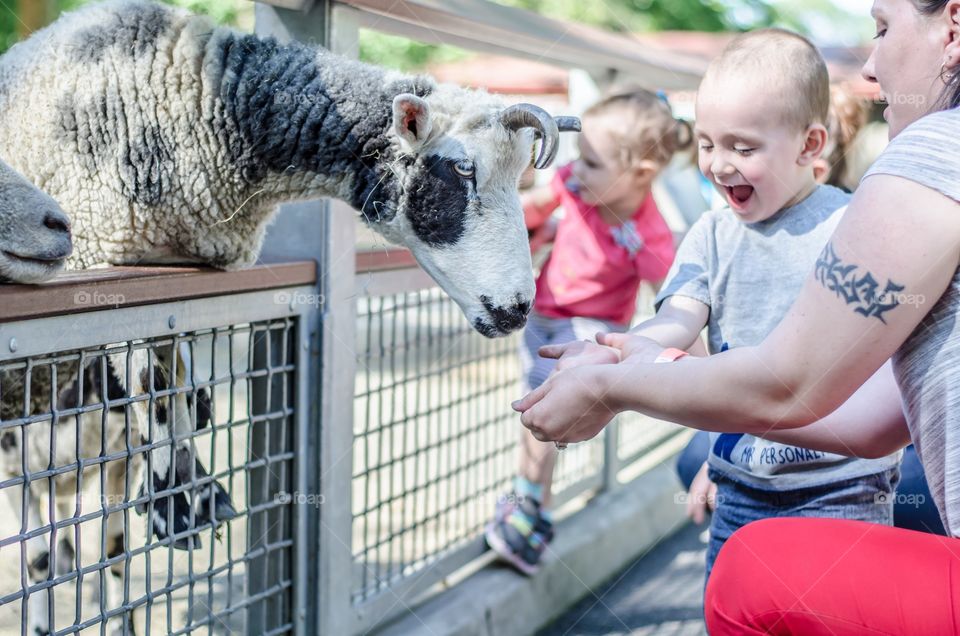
(568, 124)
(521, 116)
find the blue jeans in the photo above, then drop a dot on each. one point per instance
(862, 498)
(913, 507)
(542, 330)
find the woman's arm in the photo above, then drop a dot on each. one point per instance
(870, 424)
(889, 261)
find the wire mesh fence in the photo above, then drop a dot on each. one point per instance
(147, 484)
(435, 439)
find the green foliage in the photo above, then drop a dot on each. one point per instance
(222, 11)
(656, 15)
(402, 53)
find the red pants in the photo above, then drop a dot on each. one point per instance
(829, 576)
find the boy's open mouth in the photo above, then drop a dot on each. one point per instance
(738, 195)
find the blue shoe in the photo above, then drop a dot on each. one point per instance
(519, 534)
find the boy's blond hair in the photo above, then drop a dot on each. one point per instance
(648, 130)
(786, 60)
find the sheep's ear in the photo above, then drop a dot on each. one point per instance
(411, 119)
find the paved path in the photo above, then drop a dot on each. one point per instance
(659, 594)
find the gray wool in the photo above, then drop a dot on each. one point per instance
(168, 139)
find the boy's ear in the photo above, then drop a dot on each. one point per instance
(813, 144)
(951, 53)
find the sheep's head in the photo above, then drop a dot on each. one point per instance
(34, 232)
(459, 210)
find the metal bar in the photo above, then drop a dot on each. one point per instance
(338, 372)
(63, 333)
(611, 455)
(491, 27)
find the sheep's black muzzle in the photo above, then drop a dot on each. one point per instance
(503, 319)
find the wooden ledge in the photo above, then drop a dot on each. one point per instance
(98, 289)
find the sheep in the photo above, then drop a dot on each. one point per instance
(170, 140)
(71, 443)
(34, 232)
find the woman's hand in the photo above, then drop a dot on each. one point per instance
(702, 496)
(571, 406)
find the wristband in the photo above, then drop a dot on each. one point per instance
(670, 355)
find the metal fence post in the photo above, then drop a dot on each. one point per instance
(271, 524)
(611, 455)
(338, 364)
(302, 230)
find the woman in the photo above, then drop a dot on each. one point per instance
(886, 285)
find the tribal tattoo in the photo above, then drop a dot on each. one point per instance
(861, 291)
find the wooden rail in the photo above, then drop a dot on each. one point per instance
(97, 289)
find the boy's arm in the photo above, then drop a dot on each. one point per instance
(870, 424)
(538, 204)
(677, 324)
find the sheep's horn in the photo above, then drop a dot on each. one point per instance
(568, 124)
(521, 116)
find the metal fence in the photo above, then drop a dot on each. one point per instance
(435, 441)
(78, 550)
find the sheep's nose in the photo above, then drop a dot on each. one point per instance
(56, 221)
(508, 317)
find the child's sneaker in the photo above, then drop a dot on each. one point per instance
(519, 534)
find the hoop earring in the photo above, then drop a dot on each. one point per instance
(945, 75)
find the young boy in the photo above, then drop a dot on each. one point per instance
(761, 111)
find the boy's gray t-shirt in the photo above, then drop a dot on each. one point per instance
(927, 365)
(749, 275)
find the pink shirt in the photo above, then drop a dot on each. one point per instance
(595, 269)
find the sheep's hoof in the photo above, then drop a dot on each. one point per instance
(211, 505)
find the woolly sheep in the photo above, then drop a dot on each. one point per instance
(168, 139)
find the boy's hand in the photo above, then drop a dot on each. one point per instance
(702, 496)
(571, 406)
(631, 347)
(579, 353)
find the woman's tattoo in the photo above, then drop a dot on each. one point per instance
(861, 291)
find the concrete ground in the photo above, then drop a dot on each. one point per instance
(659, 593)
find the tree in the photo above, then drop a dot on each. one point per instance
(30, 15)
(657, 15)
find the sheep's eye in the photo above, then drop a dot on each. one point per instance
(464, 169)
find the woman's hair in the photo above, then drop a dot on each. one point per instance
(950, 97)
(848, 114)
(649, 131)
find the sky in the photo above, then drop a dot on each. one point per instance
(826, 31)
(855, 6)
